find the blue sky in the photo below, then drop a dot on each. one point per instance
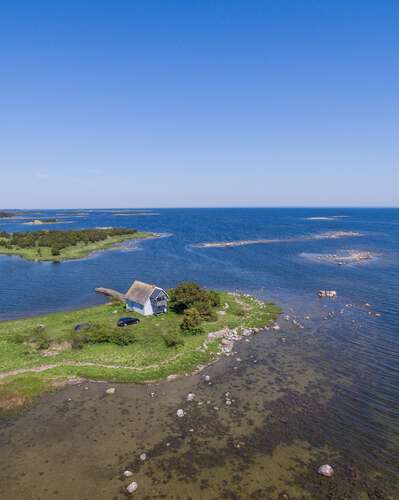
(199, 103)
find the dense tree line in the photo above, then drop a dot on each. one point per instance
(57, 240)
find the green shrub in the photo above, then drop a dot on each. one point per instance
(40, 337)
(172, 339)
(80, 339)
(99, 334)
(184, 295)
(214, 298)
(191, 324)
(189, 294)
(122, 336)
(205, 309)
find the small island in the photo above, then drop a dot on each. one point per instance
(57, 246)
(200, 325)
(42, 222)
(343, 257)
(6, 215)
(330, 235)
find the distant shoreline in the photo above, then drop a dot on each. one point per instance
(71, 252)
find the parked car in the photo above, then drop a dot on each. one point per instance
(128, 320)
(82, 326)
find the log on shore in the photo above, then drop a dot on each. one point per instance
(111, 293)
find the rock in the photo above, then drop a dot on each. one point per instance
(128, 473)
(143, 457)
(207, 378)
(132, 487)
(180, 413)
(276, 327)
(325, 470)
(227, 345)
(327, 293)
(217, 335)
(172, 377)
(228, 402)
(111, 390)
(190, 396)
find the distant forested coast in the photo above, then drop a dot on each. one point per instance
(5, 214)
(64, 245)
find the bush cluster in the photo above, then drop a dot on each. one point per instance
(191, 324)
(195, 303)
(58, 240)
(38, 336)
(190, 294)
(172, 339)
(98, 334)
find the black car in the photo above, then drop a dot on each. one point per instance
(128, 320)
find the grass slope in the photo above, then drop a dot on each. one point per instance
(146, 359)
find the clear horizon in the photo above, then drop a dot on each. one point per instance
(199, 104)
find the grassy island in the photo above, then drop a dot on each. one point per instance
(57, 246)
(40, 353)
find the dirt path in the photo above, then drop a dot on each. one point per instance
(42, 368)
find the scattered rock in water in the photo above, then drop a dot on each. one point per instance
(190, 396)
(328, 293)
(143, 457)
(132, 487)
(180, 413)
(326, 470)
(128, 473)
(111, 390)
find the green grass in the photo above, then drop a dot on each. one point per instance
(146, 359)
(22, 390)
(73, 252)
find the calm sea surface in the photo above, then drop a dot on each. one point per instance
(328, 393)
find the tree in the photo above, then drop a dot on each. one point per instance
(191, 324)
(184, 295)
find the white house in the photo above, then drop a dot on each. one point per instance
(146, 299)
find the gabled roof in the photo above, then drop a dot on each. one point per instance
(140, 292)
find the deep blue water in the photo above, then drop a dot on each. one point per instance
(275, 270)
(359, 346)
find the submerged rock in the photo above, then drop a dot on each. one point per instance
(326, 470)
(132, 487)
